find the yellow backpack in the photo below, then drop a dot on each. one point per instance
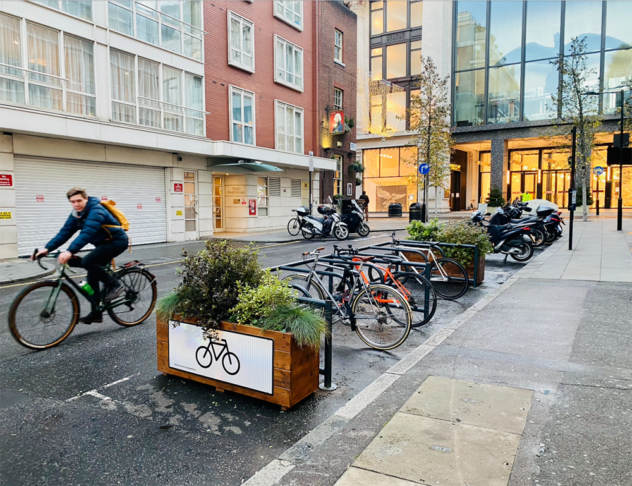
(117, 213)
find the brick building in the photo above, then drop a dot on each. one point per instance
(337, 74)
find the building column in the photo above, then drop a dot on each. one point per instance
(175, 204)
(205, 203)
(8, 224)
(500, 158)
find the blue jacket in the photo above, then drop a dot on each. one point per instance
(90, 222)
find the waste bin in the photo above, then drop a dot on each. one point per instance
(415, 213)
(395, 210)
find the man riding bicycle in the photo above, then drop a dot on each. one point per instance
(100, 228)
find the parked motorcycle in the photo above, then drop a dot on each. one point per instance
(507, 239)
(512, 214)
(314, 226)
(353, 217)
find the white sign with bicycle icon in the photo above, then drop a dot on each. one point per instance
(238, 359)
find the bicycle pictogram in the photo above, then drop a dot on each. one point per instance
(206, 359)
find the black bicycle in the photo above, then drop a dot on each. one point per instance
(45, 313)
(233, 365)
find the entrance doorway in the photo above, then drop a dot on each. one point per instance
(218, 204)
(190, 205)
(522, 183)
(555, 186)
(455, 190)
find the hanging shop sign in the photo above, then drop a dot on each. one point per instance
(6, 180)
(230, 357)
(252, 207)
(337, 122)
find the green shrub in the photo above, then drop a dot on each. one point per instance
(463, 233)
(211, 280)
(495, 199)
(589, 199)
(257, 302)
(166, 306)
(305, 325)
(418, 231)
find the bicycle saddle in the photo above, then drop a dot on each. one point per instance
(364, 258)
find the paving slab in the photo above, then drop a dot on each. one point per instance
(494, 407)
(361, 477)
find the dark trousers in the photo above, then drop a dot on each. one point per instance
(94, 262)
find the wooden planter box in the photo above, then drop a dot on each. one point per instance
(293, 377)
(415, 257)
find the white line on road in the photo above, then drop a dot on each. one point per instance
(94, 392)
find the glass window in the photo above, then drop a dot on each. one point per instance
(43, 57)
(470, 98)
(337, 99)
(338, 175)
(377, 18)
(618, 31)
(389, 162)
(149, 113)
(262, 196)
(243, 120)
(371, 162)
(79, 66)
(543, 30)
(617, 72)
(192, 10)
(525, 160)
(170, 7)
(377, 114)
(396, 15)
(122, 71)
(290, 11)
(376, 63)
(471, 34)
(505, 33)
(289, 64)
(591, 83)
(172, 95)
(289, 128)
(583, 20)
(396, 61)
(540, 84)
(416, 14)
(78, 8)
(147, 29)
(504, 94)
(396, 111)
(241, 39)
(415, 58)
(555, 160)
(193, 100)
(120, 19)
(407, 161)
(10, 89)
(338, 46)
(171, 39)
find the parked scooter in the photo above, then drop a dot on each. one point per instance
(507, 239)
(553, 227)
(353, 216)
(512, 214)
(314, 226)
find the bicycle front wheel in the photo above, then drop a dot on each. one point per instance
(421, 297)
(140, 297)
(449, 278)
(42, 317)
(293, 227)
(383, 317)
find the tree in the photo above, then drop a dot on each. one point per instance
(579, 109)
(429, 115)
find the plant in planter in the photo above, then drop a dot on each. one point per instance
(495, 199)
(463, 233)
(358, 181)
(356, 167)
(418, 231)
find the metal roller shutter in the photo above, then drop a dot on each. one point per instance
(42, 207)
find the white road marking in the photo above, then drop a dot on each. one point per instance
(271, 474)
(98, 395)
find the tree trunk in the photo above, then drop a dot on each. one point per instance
(584, 200)
(436, 211)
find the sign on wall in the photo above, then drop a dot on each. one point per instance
(235, 358)
(337, 122)
(5, 215)
(349, 189)
(235, 191)
(6, 180)
(177, 187)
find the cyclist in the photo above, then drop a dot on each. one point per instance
(100, 228)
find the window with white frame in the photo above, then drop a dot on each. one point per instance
(81, 9)
(290, 12)
(37, 76)
(338, 46)
(288, 59)
(262, 196)
(172, 25)
(241, 39)
(337, 99)
(289, 127)
(338, 175)
(242, 116)
(167, 98)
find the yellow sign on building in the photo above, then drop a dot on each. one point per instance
(5, 215)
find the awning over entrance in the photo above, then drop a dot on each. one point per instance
(245, 167)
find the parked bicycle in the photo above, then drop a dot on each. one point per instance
(379, 314)
(206, 359)
(45, 313)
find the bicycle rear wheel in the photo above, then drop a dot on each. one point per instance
(140, 297)
(451, 280)
(293, 227)
(420, 293)
(383, 317)
(36, 327)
